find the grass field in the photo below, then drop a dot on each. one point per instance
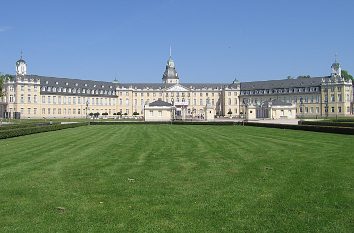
(163, 178)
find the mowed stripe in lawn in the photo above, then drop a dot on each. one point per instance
(151, 178)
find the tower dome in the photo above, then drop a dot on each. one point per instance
(170, 75)
(21, 66)
(336, 68)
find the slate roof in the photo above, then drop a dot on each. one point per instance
(160, 103)
(284, 83)
(277, 103)
(74, 83)
(156, 86)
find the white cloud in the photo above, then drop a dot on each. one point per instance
(4, 29)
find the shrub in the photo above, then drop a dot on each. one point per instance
(328, 123)
(135, 113)
(16, 132)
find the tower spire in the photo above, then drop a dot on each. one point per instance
(21, 54)
(170, 51)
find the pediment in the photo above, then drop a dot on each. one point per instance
(177, 88)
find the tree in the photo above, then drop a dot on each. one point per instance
(347, 76)
(229, 112)
(96, 114)
(135, 113)
(304, 76)
(3, 77)
(91, 114)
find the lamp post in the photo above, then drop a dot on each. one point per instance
(302, 108)
(326, 99)
(87, 103)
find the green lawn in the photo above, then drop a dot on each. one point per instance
(163, 178)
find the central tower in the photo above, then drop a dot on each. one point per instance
(170, 76)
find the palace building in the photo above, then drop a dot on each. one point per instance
(34, 96)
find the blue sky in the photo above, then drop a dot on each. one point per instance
(212, 41)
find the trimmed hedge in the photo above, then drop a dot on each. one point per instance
(16, 132)
(163, 122)
(328, 123)
(315, 128)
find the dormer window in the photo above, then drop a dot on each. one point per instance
(66, 84)
(85, 84)
(64, 89)
(43, 88)
(49, 89)
(94, 85)
(54, 89)
(69, 90)
(76, 84)
(56, 83)
(46, 82)
(102, 86)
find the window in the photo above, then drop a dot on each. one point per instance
(54, 99)
(339, 97)
(59, 99)
(35, 98)
(43, 111)
(11, 98)
(35, 111)
(28, 111)
(69, 100)
(332, 109)
(332, 97)
(229, 101)
(29, 99)
(317, 109)
(48, 111)
(339, 109)
(201, 102)
(151, 112)
(160, 113)
(74, 100)
(22, 99)
(48, 101)
(348, 109)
